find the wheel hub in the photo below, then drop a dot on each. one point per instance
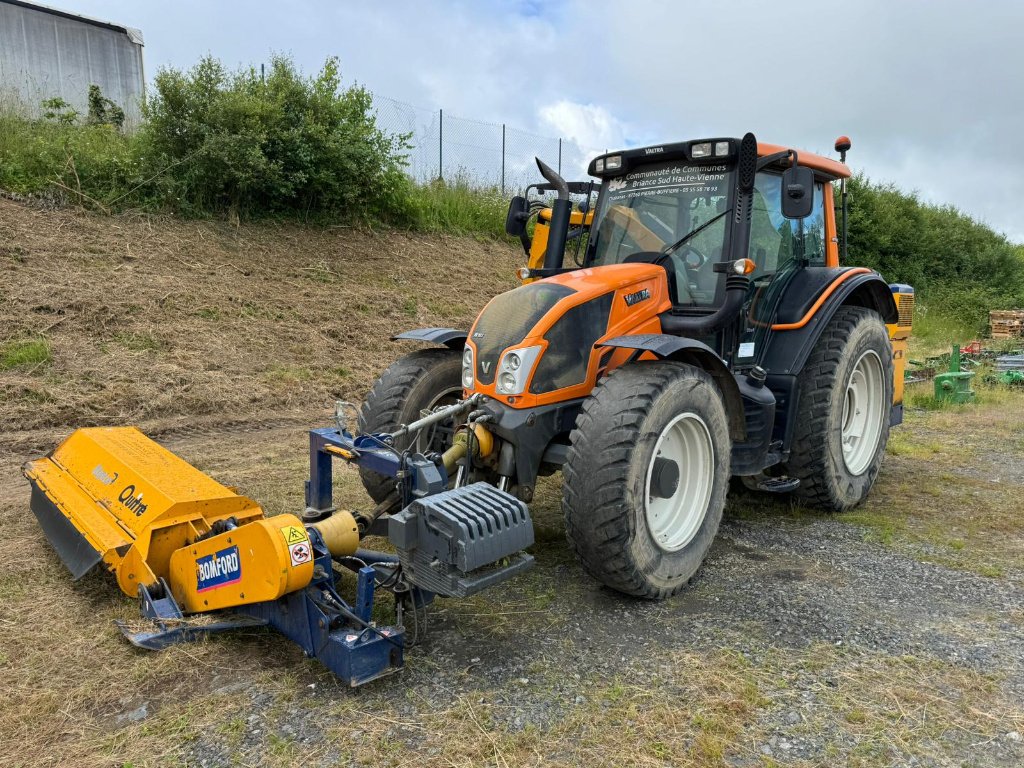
(680, 478)
(863, 413)
(664, 478)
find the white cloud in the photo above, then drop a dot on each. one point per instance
(589, 125)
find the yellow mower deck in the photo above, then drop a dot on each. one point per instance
(112, 495)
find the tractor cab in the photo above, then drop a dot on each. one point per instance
(682, 206)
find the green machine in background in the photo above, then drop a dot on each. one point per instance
(954, 386)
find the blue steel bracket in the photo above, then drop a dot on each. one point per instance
(366, 451)
(422, 476)
(170, 626)
(316, 618)
(339, 636)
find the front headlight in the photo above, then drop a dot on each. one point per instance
(467, 367)
(515, 368)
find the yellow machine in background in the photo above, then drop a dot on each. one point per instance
(539, 241)
(531, 204)
(899, 334)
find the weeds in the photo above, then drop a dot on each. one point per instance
(29, 353)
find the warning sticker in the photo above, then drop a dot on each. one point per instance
(300, 553)
(293, 534)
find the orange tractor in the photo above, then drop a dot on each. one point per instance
(706, 330)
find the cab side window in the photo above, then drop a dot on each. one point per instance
(774, 239)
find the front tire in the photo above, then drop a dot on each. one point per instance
(843, 411)
(646, 477)
(418, 382)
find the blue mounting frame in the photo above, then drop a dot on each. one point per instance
(419, 476)
(316, 618)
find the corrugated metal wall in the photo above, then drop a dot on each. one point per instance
(43, 54)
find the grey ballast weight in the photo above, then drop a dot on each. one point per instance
(446, 541)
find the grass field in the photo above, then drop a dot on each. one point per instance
(892, 635)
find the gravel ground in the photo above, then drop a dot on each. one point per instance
(805, 601)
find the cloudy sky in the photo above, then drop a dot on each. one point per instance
(930, 91)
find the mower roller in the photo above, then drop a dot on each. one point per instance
(706, 330)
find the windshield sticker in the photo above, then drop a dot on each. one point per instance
(708, 179)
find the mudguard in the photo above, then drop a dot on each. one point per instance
(800, 321)
(668, 347)
(449, 337)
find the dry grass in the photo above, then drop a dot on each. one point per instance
(950, 488)
(149, 321)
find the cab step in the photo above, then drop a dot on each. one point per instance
(782, 484)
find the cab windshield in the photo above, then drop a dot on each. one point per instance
(653, 207)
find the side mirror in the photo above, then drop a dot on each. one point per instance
(797, 192)
(515, 221)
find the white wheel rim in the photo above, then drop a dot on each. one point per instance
(863, 412)
(675, 520)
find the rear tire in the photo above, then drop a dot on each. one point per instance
(419, 381)
(843, 411)
(638, 525)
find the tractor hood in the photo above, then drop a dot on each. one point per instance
(553, 324)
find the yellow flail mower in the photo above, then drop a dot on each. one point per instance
(202, 558)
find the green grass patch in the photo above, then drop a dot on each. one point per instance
(139, 342)
(288, 374)
(27, 353)
(457, 207)
(935, 331)
(880, 527)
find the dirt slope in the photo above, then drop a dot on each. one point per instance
(158, 322)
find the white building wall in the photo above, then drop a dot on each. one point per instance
(44, 54)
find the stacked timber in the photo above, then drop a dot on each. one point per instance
(1006, 323)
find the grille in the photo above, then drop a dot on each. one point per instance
(906, 308)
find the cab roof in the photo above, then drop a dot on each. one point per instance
(699, 152)
(824, 165)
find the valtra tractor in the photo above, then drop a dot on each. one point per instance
(704, 330)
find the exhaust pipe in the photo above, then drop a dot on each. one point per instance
(560, 213)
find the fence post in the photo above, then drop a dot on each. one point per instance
(440, 144)
(559, 157)
(502, 159)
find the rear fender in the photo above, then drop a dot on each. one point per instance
(695, 353)
(798, 329)
(448, 337)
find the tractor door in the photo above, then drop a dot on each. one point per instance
(780, 247)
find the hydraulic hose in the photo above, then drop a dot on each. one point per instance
(735, 291)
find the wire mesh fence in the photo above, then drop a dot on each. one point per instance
(485, 155)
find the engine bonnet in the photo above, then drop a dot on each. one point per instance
(570, 311)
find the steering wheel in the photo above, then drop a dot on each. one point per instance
(692, 257)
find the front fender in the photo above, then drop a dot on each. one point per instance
(686, 350)
(449, 337)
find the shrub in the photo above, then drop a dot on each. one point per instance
(960, 266)
(103, 111)
(234, 141)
